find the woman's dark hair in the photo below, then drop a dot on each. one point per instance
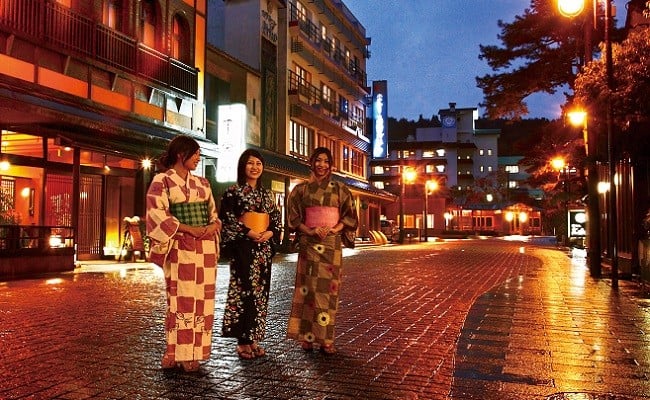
(318, 151)
(182, 145)
(241, 165)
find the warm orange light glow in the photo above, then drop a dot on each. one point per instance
(509, 216)
(523, 217)
(409, 175)
(577, 117)
(557, 163)
(570, 8)
(432, 186)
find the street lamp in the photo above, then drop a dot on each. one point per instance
(408, 177)
(563, 170)
(565, 7)
(579, 118)
(570, 8)
(428, 186)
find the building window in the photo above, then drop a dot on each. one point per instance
(113, 14)
(481, 168)
(304, 77)
(428, 154)
(379, 185)
(358, 163)
(344, 110)
(300, 139)
(8, 187)
(441, 152)
(489, 152)
(345, 166)
(481, 152)
(489, 168)
(512, 169)
(440, 168)
(148, 23)
(405, 154)
(180, 39)
(302, 12)
(378, 170)
(512, 184)
(327, 98)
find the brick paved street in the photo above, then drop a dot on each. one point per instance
(537, 327)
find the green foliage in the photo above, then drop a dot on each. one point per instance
(631, 72)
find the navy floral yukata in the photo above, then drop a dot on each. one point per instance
(250, 262)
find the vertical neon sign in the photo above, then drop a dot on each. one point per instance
(380, 119)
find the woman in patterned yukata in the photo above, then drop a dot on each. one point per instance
(251, 224)
(183, 224)
(322, 214)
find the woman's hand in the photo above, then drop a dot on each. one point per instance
(259, 237)
(206, 232)
(321, 232)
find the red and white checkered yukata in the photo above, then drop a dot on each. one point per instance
(189, 263)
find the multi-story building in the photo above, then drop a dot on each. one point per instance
(305, 87)
(463, 162)
(89, 91)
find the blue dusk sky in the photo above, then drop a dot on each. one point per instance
(427, 51)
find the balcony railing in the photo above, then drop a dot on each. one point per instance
(34, 239)
(313, 96)
(56, 26)
(312, 33)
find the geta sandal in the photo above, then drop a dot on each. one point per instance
(258, 351)
(168, 362)
(245, 352)
(328, 349)
(190, 366)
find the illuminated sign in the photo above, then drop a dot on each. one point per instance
(577, 223)
(380, 119)
(232, 140)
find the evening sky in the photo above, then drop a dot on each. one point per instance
(427, 51)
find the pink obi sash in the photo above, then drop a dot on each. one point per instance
(321, 216)
(255, 221)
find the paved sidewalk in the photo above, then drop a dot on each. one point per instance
(467, 319)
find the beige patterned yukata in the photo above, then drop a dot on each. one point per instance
(189, 263)
(318, 270)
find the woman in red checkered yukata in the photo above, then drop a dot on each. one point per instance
(251, 226)
(322, 214)
(183, 226)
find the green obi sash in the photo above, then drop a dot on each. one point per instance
(193, 214)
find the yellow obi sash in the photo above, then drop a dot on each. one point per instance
(321, 216)
(255, 221)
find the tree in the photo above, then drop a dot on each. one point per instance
(629, 99)
(539, 53)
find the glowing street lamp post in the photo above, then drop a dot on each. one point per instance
(428, 186)
(571, 8)
(408, 177)
(580, 118)
(563, 169)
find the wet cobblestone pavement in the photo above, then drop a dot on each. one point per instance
(452, 320)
